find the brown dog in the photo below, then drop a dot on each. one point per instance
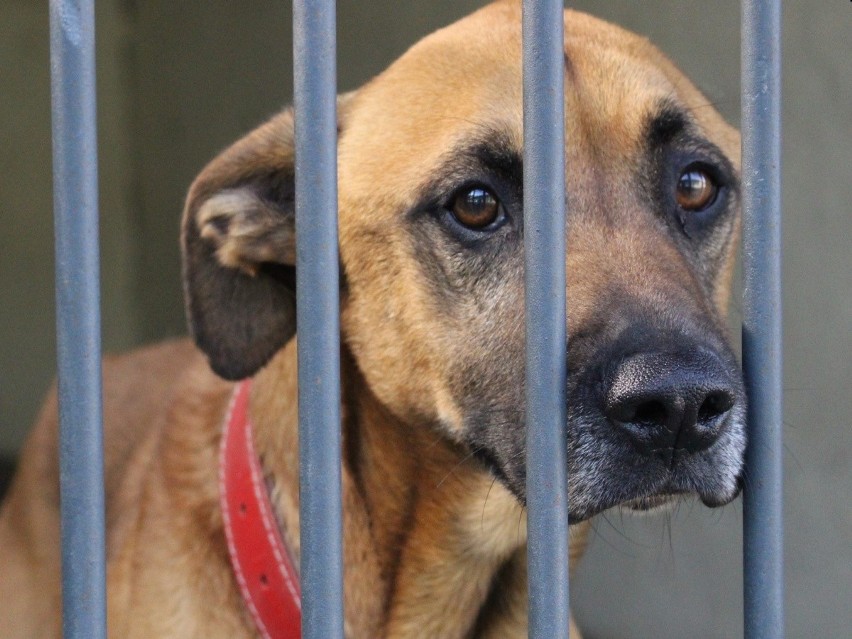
(432, 324)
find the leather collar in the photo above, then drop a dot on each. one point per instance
(260, 560)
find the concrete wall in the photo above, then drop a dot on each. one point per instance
(179, 80)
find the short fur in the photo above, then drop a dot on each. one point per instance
(432, 328)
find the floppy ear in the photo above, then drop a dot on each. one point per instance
(238, 240)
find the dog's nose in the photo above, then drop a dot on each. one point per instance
(668, 402)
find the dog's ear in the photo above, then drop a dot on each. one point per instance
(238, 240)
(239, 250)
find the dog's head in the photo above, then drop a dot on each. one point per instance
(431, 247)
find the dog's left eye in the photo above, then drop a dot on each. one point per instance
(476, 208)
(696, 189)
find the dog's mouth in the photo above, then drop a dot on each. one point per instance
(668, 497)
(651, 502)
(640, 495)
(636, 487)
(606, 473)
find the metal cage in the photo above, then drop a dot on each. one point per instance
(78, 322)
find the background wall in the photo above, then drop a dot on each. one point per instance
(180, 80)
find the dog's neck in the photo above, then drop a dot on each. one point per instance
(430, 539)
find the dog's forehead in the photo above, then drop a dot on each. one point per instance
(463, 77)
(466, 79)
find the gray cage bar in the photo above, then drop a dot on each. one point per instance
(763, 549)
(318, 317)
(544, 249)
(78, 326)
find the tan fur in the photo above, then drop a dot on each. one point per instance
(434, 546)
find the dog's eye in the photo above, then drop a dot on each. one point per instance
(696, 190)
(475, 207)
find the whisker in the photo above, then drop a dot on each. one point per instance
(603, 538)
(482, 517)
(457, 465)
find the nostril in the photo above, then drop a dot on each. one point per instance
(640, 412)
(715, 405)
(650, 413)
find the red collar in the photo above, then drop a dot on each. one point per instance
(260, 560)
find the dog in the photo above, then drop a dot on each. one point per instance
(431, 228)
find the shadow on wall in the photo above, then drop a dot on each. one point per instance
(7, 469)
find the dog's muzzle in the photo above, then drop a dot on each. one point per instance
(654, 418)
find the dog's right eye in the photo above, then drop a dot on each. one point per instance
(476, 208)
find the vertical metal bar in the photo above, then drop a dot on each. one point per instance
(544, 246)
(315, 72)
(78, 330)
(763, 560)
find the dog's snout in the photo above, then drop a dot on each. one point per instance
(670, 402)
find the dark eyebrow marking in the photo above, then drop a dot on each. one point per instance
(489, 152)
(672, 126)
(499, 156)
(668, 123)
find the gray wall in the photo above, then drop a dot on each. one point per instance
(26, 243)
(179, 80)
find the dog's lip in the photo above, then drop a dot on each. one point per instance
(658, 500)
(651, 502)
(639, 502)
(715, 500)
(671, 491)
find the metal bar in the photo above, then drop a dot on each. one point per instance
(544, 247)
(317, 287)
(763, 549)
(78, 328)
